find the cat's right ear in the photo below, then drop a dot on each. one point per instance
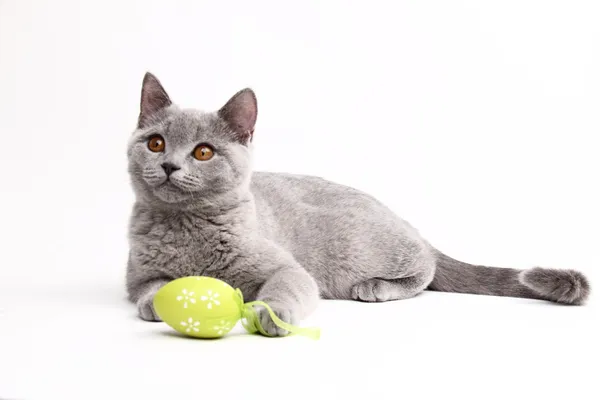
(154, 98)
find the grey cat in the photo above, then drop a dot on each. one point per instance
(288, 240)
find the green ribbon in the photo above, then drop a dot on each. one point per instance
(251, 322)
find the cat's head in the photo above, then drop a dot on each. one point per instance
(180, 157)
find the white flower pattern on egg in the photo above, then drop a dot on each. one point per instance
(211, 299)
(187, 296)
(223, 327)
(190, 325)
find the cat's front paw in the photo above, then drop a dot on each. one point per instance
(284, 314)
(146, 308)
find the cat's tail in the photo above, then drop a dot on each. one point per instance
(557, 285)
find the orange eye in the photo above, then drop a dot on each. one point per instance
(156, 143)
(203, 153)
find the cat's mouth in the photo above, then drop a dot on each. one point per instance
(170, 184)
(174, 190)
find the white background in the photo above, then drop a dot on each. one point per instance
(477, 121)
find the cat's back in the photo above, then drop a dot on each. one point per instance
(291, 205)
(275, 188)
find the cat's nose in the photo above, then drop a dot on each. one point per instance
(169, 168)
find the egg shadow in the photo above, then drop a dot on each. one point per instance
(177, 335)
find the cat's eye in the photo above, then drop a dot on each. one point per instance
(203, 152)
(156, 143)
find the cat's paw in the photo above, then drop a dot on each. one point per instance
(371, 290)
(286, 315)
(146, 308)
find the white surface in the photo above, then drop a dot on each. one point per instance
(476, 121)
(84, 343)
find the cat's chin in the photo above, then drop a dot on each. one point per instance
(170, 193)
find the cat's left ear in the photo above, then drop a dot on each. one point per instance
(154, 98)
(240, 114)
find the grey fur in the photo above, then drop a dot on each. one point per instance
(558, 285)
(285, 239)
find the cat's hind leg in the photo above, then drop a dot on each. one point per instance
(384, 289)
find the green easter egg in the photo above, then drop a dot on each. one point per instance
(198, 306)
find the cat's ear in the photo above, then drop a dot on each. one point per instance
(240, 114)
(154, 98)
